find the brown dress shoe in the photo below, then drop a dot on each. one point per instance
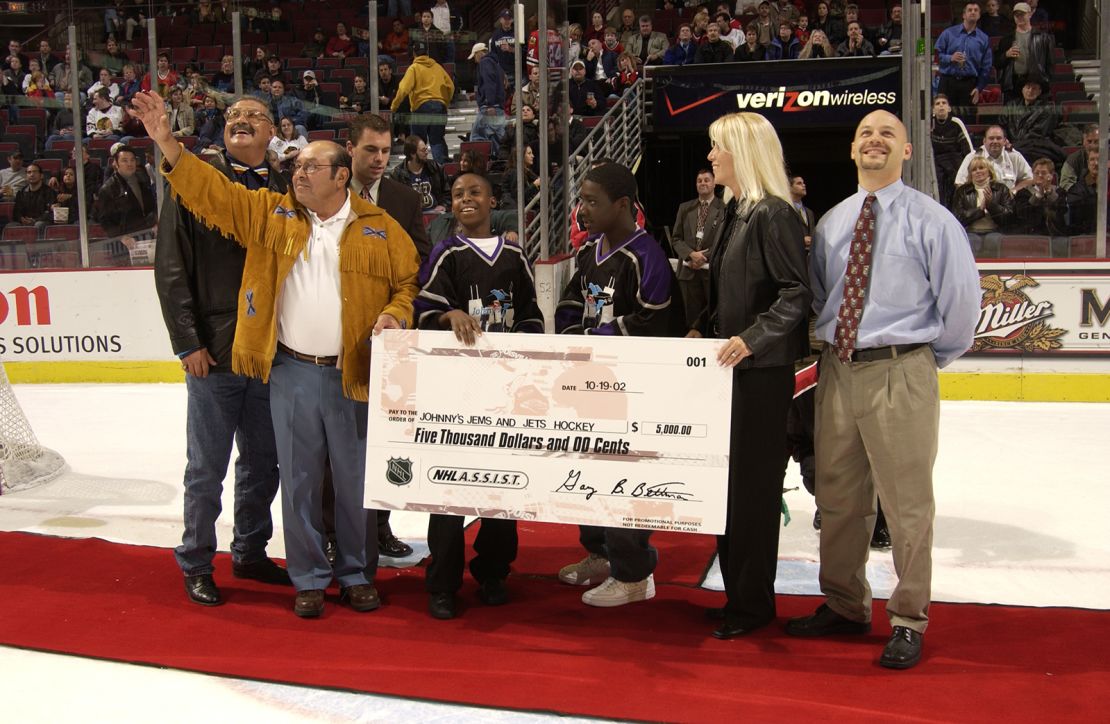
(309, 603)
(362, 597)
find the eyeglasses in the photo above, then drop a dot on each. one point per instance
(311, 167)
(234, 114)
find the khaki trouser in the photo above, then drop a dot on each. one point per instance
(876, 431)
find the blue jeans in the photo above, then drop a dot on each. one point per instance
(225, 407)
(489, 125)
(314, 422)
(429, 121)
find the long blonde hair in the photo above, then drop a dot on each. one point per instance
(757, 160)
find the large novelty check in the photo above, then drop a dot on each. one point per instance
(630, 432)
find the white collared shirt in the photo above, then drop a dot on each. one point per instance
(310, 308)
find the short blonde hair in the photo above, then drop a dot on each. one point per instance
(979, 162)
(757, 160)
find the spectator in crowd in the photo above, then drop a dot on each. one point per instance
(359, 99)
(531, 181)
(68, 198)
(1031, 121)
(684, 50)
(575, 46)
(1023, 55)
(445, 20)
(32, 203)
(167, 77)
(104, 81)
(750, 49)
(396, 41)
(626, 73)
(61, 123)
(59, 75)
(785, 46)
(993, 22)
(587, 98)
(555, 57)
(529, 132)
(764, 26)
(856, 46)
(262, 92)
(317, 45)
(431, 37)
(38, 88)
(489, 94)
(387, 84)
(801, 30)
(731, 35)
(601, 63)
(470, 161)
(428, 89)
(889, 37)
(503, 43)
(14, 177)
(784, 10)
(253, 66)
(126, 202)
(130, 85)
(423, 174)
(529, 93)
(1039, 15)
(714, 50)
(698, 25)
(1041, 207)
(181, 114)
(951, 143)
(400, 8)
(818, 46)
(1082, 199)
(596, 31)
(648, 46)
(114, 14)
(113, 58)
(628, 26)
(340, 45)
(33, 68)
(286, 105)
(210, 125)
(693, 238)
(15, 50)
(14, 73)
(965, 59)
(272, 71)
(224, 79)
(134, 17)
(1075, 165)
(612, 41)
(798, 194)
(985, 207)
(1010, 167)
(830, 25)
(310, 95)
(205, 12)
(104, 120)
(287, 142)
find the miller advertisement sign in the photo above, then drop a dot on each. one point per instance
(1049, 311)
(825, 92)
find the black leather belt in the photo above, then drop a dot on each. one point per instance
(875, 354)
(318, 361)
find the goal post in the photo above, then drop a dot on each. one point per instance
(23, 461)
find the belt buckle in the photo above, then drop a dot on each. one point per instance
(316, 361)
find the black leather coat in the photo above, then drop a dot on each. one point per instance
(759, 285)
(198, 272)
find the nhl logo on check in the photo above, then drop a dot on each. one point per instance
(398, 471)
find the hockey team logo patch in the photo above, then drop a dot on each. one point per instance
(377, 233)
(287, 213)
(398, 471)
(249, 295)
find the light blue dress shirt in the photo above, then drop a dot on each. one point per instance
(924, 284)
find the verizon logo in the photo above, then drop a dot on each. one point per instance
(797, 101)
(21, 302)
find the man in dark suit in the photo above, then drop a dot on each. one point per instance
(369, 143)
(797, 195)
(693, 237)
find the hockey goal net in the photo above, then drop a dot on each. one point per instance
(23, 461)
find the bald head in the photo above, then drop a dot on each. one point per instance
(879, 148)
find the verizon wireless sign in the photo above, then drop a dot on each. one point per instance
(825, 92)
(67, 316)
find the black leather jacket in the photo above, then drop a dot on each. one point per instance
(965, 205)
(1038, 67)
(759, 285)
(198, 272)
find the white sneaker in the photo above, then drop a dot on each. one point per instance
(617, 593)
(590, 570)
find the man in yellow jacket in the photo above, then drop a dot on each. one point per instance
(426, 89)
(324, 271)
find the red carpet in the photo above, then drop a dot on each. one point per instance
(546, 651)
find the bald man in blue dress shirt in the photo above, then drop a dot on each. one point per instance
(904, 264)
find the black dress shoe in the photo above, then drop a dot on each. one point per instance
(202, 590)
(264, 570)
(715, 613)
(880, 539)
(731, 628)
(493, 592)
(441, 606)
(817, 520)
(331, 550)
(826, 622)
(309, 603)
(903, 651)
(389, 545)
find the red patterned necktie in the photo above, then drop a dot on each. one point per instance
(856, 276)
(366, 194)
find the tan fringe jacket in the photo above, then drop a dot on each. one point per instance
(378, 265)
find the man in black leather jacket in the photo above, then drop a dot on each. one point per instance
(126, 201)
(1026, 47)
(198, 273)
